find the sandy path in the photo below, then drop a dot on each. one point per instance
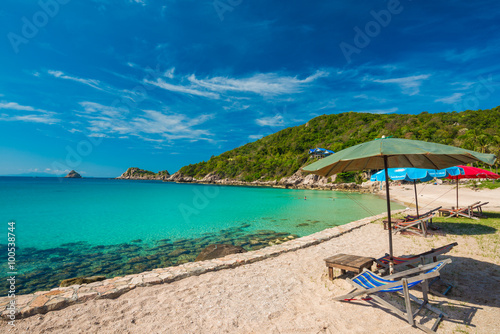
(287, 294)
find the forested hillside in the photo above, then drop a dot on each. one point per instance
(283, 153)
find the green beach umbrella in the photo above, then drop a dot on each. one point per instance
(384, 153)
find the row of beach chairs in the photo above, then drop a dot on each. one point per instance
(420, 224)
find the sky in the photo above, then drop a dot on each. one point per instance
(102, 85)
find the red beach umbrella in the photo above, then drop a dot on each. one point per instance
(473, 173)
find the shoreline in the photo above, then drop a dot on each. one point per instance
(42, 302)
(289, 293)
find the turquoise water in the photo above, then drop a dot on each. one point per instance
(78, 227)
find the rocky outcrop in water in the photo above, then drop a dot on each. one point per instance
(81, 280)
(135, 173)
(218, 250)
(73, 175)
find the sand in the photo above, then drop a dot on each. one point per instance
(291, 293)
(431, 196)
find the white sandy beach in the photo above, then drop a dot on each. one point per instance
(291, 293)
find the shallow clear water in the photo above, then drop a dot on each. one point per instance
(78, 227)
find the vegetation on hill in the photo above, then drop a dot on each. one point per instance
(283, 153)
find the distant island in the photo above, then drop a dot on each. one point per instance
(73, 175)
(135, 173)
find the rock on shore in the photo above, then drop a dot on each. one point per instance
(296, 181)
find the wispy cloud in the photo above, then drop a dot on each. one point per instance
(17, 106)
(44, 118)
(41, 116)
(466, 55)
(254, 137)
(140, 2)
(106, 121)
(89, 82)
(454, 98)
(379, 111)
(372, 98)
(409, 85)
(276, 120)
(180, 89)
(262, 83)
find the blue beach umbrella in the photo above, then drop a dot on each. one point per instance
(416, 174)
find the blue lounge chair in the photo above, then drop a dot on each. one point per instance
(372, 285)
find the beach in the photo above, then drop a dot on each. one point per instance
(291, 293)
(431, 196)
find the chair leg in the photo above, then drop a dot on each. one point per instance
(406, 293)
(425, 290)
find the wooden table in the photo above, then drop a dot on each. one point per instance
(348, 262)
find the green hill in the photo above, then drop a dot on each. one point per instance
(283, 153)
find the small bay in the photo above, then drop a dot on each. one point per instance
(83, 227)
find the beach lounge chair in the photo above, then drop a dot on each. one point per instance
(374, 286)
(418, 226)
(405, 262)
(479, 210)
(467, 212)
(424, 215)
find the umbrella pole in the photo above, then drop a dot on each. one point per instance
(457, 194)
(416, 198)
(389, 223)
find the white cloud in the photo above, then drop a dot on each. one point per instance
(108, 121)
(276, 120)
(89, 82)
(465, 55)
(140, 2)
(169, 73)
(43, 116)
(16, 106)
(96, 108)
(379, 111)
(454, 98)
(409, 85)
(463, 85)
(262, 83)
(180, 89)
(255, 136)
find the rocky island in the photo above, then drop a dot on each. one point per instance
(73, 175)
(135, 173)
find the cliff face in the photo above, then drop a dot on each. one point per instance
(73, 175)
(135, 173)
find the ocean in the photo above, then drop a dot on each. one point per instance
(84, 227)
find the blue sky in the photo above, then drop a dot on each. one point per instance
(102, 85)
